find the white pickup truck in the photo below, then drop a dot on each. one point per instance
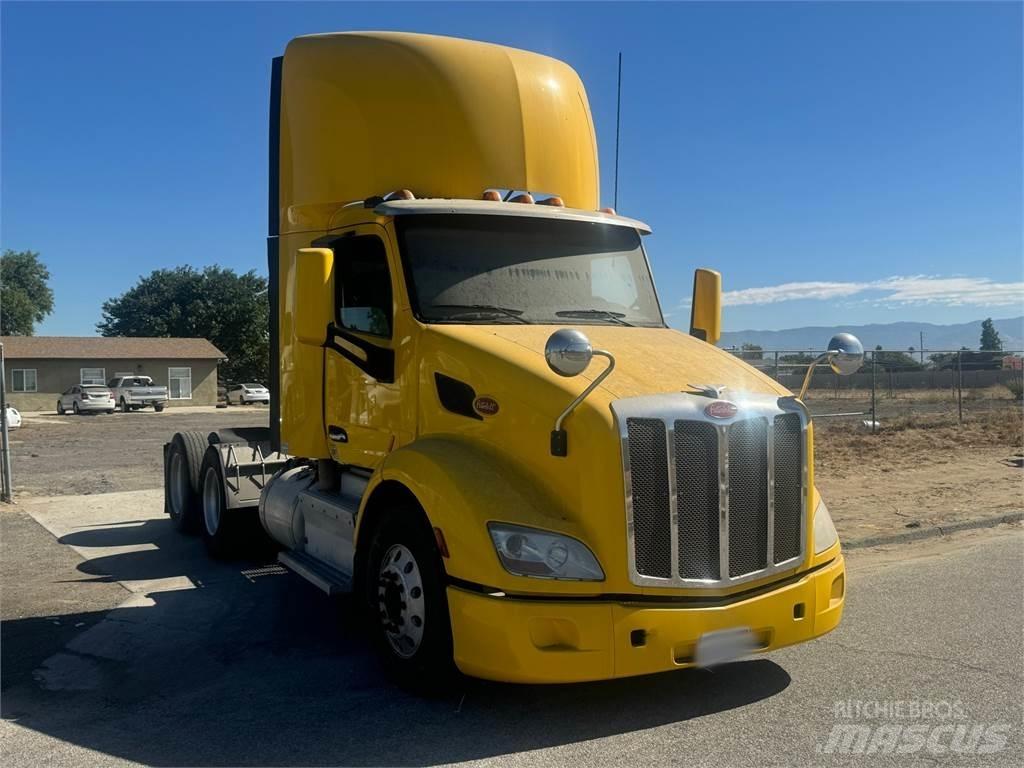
(134, 392)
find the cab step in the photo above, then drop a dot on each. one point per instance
(325, 577)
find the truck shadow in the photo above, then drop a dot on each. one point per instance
(254, 666)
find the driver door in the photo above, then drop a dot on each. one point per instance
(361, 390)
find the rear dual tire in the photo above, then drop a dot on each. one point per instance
(181, 480)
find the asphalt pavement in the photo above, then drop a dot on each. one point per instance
(123, 643)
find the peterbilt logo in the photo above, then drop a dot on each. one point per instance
(720, 409)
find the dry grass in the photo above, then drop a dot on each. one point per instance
(913, 440)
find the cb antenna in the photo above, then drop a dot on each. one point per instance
(618, 118)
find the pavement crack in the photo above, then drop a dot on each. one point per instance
(1002, 674)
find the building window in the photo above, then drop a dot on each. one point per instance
(180, 381)
(23, 380)
(92, 377)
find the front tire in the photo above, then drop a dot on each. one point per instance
(158, 408)
(60, 408)
(75, 408)
(124, 406)
(408, 609)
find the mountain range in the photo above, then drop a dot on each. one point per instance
(897, 336)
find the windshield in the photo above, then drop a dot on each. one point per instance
(510, 269)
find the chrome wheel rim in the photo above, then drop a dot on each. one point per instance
(211, 502)
(400, 600)
(178, 483)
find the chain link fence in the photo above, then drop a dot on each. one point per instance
(949, 385)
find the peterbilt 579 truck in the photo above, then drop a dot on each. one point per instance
(481, 423)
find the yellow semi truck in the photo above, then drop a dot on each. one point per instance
(481, 424)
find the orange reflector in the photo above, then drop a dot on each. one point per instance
(442, 545)
(526, 197)
(607, 210)
(556, 201)
(492, 195)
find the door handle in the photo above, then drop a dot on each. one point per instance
(336, 434)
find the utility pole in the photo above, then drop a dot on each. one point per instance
(618, 115)
(6, 486)
(922, 346)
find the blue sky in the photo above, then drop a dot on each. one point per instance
(838, 162)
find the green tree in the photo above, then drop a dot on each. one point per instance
(229, 309)
(25, 294)
(990, 341)
(895, 361)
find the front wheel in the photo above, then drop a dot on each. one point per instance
(75, 408)
(405, 595)
(158, 407)
(60, 408)
(124, 406)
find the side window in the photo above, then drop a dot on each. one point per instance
(23, 380)
(362, 285)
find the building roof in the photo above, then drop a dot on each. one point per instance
(107, 348)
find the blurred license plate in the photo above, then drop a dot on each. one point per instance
(723, 646)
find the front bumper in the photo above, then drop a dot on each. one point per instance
(548, 641)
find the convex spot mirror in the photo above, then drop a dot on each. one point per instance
(568, 352)
(846, 354)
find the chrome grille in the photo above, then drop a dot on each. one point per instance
(696, 467)
(712, 502)
(748, 497)
(651, 507)
(789, 460)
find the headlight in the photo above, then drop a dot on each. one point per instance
(531, 552)
(824, 530)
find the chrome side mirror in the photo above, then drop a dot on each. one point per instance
(568, 352)
(846, 354)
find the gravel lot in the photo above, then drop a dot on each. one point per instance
(98, 453)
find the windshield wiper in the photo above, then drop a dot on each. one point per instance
(615, 317)
(481, 310)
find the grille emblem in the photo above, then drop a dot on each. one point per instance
(720, 409)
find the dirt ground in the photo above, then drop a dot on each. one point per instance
(921, 469)
(99, 453)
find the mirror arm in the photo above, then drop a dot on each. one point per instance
(559, 438)
(810, 370)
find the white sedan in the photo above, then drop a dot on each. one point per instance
(242, 394)
(87, 398)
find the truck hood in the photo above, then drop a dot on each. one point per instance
(647, 360)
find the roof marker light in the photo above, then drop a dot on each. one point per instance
(554, 200)
(492, 195)
(608, 210)
(525, 197)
